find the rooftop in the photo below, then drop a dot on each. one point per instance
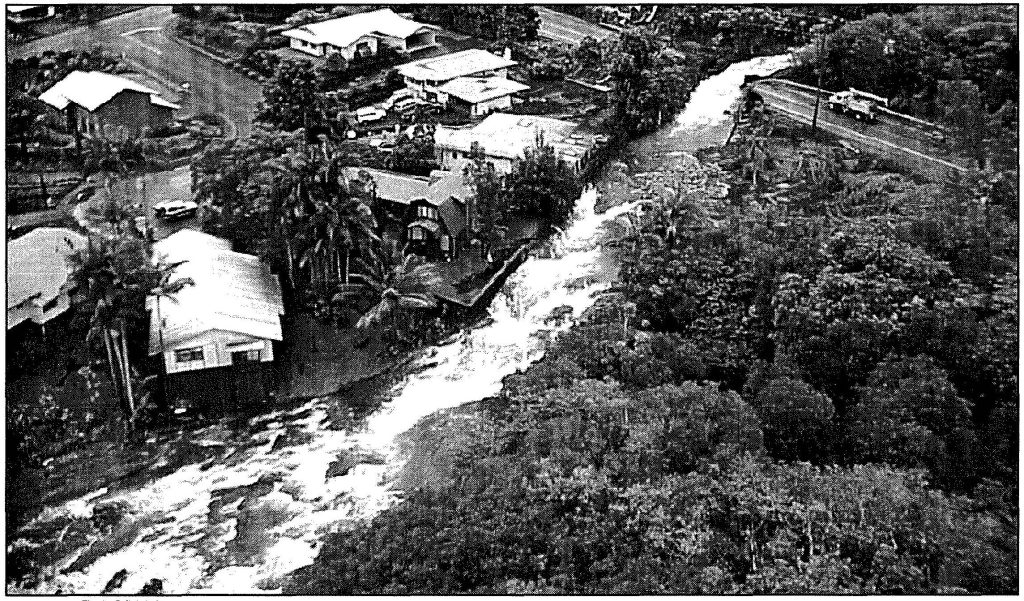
(233, 292)
(345, 31)
(481, 89)
(507, 136)
(403, 189)
(37, 263)
(92, 89)
(450, 66)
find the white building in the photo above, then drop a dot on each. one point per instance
(426, 77)
(361, 34)
(28, 13)
(479, 95)
(230, 316)
(37, 274)
(503, 138)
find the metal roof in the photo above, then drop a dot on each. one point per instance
(344, 31)
(481, 89)
(233, 292)
(92, 89)
(37, 263)
(507, 136)
(450, 66)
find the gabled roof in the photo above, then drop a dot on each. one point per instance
(450, 66)
(507, 136)
(481, 89)
(37, 263)
(92, 89)
(233, 292)
(403, 189)
(345, 31)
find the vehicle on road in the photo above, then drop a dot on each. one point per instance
(859, 105)
(175, 209)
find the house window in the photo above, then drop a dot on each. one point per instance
(187, 355)
(416, 233)
(250, 356)
(425, 212)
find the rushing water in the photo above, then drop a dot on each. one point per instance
(257, 511)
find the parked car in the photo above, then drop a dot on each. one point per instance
(175, 209)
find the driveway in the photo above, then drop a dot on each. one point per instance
(144, 36)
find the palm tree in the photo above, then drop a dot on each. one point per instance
(337, 227)
(112, 277)
(399, 284)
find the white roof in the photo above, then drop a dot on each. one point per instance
(507, 136)
(481, 89)
(233, 292)
(92, 89)
(450, 66)
(37, 263)
(345, 31)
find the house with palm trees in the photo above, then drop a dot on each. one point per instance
(215, 338)
(430, 215)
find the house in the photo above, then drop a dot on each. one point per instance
(215, 337)
(434, 212)
(361, 34)
(30, 13)
(37, 274)
(479, 95)
(108, 106)
(427, 76)
(503, 138)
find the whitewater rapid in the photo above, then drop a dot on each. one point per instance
(197, 533)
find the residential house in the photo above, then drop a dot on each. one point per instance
(503, 138)
(479, 95)
(361, 34)
(37, 274)
(108, 106)
(433, 212)
(426, 77)
(30, 13)
(216, 337)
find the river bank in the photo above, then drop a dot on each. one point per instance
(259, 504)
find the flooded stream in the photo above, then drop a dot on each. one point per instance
(242, 519)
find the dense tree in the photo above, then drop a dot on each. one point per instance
(798, 421)
(112, 278)
(292, 100)
(651, 85)
(541, 185)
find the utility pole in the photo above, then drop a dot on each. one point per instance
(819, 38)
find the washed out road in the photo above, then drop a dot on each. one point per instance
(144, 36)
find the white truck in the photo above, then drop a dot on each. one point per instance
(859, 105)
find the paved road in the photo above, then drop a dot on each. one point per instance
(150, 49)
(567, 28)
(894, 137)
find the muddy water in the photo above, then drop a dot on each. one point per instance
(257, 505)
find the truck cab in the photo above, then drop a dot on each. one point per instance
(859, 105)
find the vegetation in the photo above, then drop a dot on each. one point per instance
(112, 277)
(503, 24)
(791, 393)
(952, 64)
